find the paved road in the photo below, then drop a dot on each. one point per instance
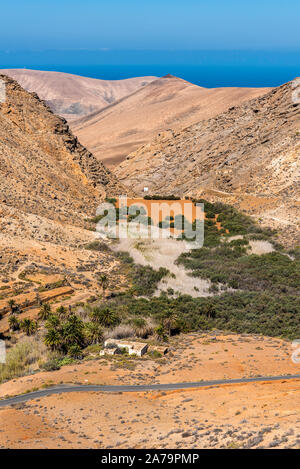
(136, 388)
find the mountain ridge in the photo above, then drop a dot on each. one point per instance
(71, 95)
(247, 155)
(167, 102)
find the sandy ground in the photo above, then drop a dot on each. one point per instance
(244, 416)
(248, 415)
(163, 253)
(191, 357)
(27, 264)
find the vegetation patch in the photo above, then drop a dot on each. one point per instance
(242, 312)
(162, 197)
(98, 246)
(231, 264)
(143, 279)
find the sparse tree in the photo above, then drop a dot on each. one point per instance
(53, 339)
(160, 333)
(93, 333)
(12, 305)
(106, 317)
(45, 312)
(28, 326)
(13, 322)
(103, 280)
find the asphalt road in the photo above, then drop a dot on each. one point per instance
(135, 388)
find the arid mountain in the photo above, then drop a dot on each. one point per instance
(44, 169)
(168, 102)
(51, 262)
(72, 96)
(248, 155)
(49, 185)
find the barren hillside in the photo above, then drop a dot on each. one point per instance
(60, 288)
(246, 416)
(49, 185)
(44, 169)
(72, 96)
(168, 102)
(248, 156)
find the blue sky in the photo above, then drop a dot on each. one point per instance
(165, 24)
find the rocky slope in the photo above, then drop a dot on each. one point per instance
(44, 169)
(248, 156)
(73, 96)
(168, 102)
(49, 185)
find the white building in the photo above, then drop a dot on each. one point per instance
(133, 348)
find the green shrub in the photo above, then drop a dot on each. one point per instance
(50, 365)
(145, 279)
(74, 351)
(230, 263)
(161, 197)
(97, 246)
(21, 358)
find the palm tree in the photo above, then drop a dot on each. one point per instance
(53, 339)
(138, 323)
(28, 326)
(72, 331)
(38, 299)
(13, 322)
(93, 332)
(160, 333)
(45, 312)
(209, 310)
(169, 321)
(106, 317)
(12, 305)
(62, 311)
(141, 328)
(74, 351)
(53, 322)
(103, 280)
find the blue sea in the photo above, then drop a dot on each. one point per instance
(204, 68)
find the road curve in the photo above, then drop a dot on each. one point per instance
(135, 388)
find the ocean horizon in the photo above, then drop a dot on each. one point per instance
(203, 68)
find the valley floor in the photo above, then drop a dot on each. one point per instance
(235, 416)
